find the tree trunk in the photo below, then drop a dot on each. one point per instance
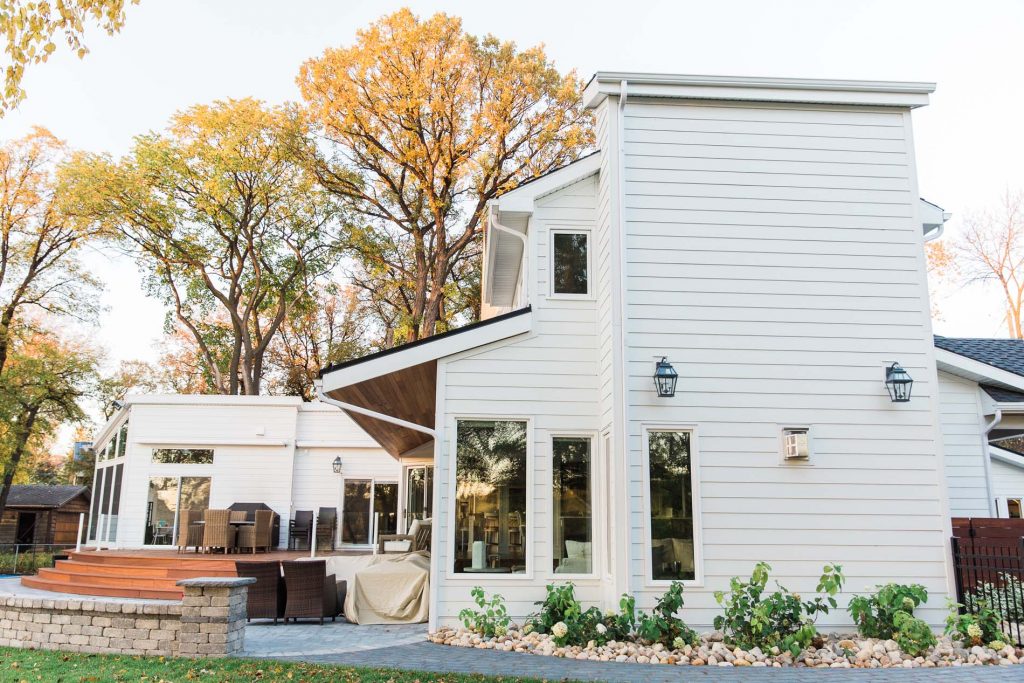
(21, 442)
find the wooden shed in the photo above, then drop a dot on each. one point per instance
(42, 514)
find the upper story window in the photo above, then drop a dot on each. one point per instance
(183, 456)
(570, 262)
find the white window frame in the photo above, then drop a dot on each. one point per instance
(796, 462)
(551, 263)
(698, 530)
(596, 548)
(470, 578)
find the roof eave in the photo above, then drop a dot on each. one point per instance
(975, 370)
(521, 199)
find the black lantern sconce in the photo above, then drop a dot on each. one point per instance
(336, 465)
(665, 377)
(898, 383)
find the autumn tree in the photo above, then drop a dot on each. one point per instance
(229, 227)
(990, 248)
(422, 124)
(31, 29)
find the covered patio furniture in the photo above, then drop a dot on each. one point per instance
(417, 539)
(266, 596)
(190, 534)
(217, 531)
(257, 535)
(326, 528)
(300, 528)
(393, 589)
(250, 514)
(310, 592)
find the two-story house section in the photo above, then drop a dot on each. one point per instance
(756, 243)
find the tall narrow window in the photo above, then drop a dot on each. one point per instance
(490, 496)
(122, 440)
(572, 505)
(570, 263)
(671, 498)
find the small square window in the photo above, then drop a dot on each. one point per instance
(796, 444)
(1013, 508)
(570, 263)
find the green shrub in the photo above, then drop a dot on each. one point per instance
(491, 620)
(913, 635)
(1007, 594)
(562, 615)
(875, 614)
(977, 627)
(620, 625)
(780, 619)
(662, 625)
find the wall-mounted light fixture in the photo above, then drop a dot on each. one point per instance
(665, 377)
(336, 465)
(898, 383)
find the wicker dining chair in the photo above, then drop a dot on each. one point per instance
(190, 534)
(238, 515)
(300, 528)
(310, 592)
(217, 530)
(266, 596)
(257, 535)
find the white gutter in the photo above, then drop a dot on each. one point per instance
(996, 419)
(319, 386)
(935, 234)
(526, 250)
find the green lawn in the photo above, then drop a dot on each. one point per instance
(67, 667)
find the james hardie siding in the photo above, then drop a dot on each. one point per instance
(964, 445)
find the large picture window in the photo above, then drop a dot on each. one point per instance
(572, 505)
(183, 456)
(670, 475)
(167, 496)
(570, 263)
(490, 496)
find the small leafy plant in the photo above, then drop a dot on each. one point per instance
(754, 618)
(562, 615)
(876, 614)
(620, 625)
(1007, 593)
(491, 620)
(662, 625)
(982, 625)
(913, 635)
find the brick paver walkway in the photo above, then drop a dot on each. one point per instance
(424, 656)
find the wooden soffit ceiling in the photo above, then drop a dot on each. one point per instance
(408, 394)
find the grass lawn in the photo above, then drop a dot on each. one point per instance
(67, 667)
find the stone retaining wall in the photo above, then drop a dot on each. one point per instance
(209, 622)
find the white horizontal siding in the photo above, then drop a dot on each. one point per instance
(965, 446)
(1007, 480)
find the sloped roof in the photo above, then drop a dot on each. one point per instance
(1003, 395)
(1005, 354)
(43, 495)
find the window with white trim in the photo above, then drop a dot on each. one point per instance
(670, 490)
(570, 262)
(572, 505)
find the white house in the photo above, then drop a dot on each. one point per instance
(765, 236)
(981, 391)
(164, 453)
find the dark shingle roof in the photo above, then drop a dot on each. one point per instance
(43, 496)
(1003, 395)
(1005, 354)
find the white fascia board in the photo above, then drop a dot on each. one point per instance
(431, 349)
(190, 441)
(212, 400)
(740, 88)
(351, 443)
(976, 371)
(932, 216)
(522, 198)
(1008, 457)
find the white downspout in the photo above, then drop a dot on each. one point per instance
(319, 386)
(526, 250)
(996, 419)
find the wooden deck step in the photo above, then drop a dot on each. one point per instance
(128, 580)
(182, 561)
(99, 590)
(105, 569)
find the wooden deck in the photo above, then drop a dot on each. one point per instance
(149, 574)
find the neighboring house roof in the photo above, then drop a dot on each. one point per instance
(1005, 354)
(1005, 456)
(43, 496)
(1001, 395)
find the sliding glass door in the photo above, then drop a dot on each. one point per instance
(419, 493)
(368, 508)
(167, 496)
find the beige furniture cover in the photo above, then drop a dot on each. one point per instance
(392, 589)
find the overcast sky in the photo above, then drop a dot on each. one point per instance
(175, 53)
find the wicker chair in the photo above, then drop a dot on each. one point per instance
(310, 592)
(217, 531)
(266, 596)
(238, 515)
(416, 540)
(326, 528)
(257, 535)
(300, 528)
(190, 534)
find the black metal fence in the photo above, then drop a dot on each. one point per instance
(990, 571)
(27, 558)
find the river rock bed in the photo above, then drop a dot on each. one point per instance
(836, 651)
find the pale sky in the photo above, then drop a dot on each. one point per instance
(175, 53)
